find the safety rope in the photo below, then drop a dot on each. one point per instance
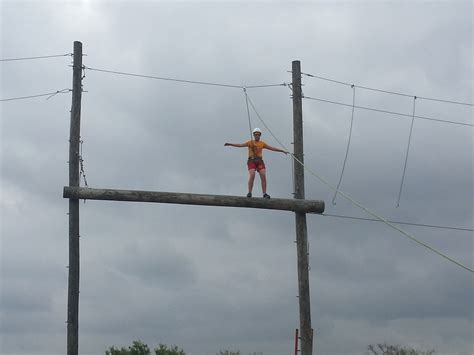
(408, 150)
(254, 147)
(248, 111)
(348, 145)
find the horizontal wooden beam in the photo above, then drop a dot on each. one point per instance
(86, 193)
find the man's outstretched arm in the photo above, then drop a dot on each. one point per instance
(275, 149)
(238, 145)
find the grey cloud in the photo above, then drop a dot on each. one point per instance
(212, 278)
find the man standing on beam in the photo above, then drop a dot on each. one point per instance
(255, 160)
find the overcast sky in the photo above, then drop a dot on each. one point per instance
(210, 278)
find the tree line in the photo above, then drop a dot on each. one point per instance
(140, 348)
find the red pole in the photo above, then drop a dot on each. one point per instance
(296, 342)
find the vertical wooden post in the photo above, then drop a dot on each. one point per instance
(74, 140)
(300, 218)
(296, 342)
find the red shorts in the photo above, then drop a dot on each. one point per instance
(255, 164)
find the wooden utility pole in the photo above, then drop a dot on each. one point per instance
(74, 177)
(300, 217)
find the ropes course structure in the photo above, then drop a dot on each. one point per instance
(250, 104)
(299, 205)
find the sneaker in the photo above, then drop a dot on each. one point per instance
(266, 196)
(249, 194)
